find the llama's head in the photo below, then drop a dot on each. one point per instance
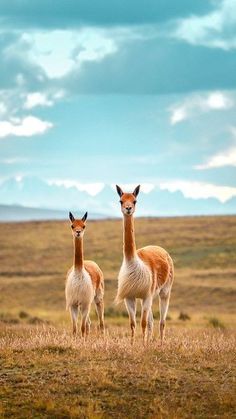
(128, 200)
(78, 226)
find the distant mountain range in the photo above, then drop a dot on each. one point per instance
(33, 198)
(20, 213)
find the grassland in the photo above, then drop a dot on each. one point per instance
(46, 373)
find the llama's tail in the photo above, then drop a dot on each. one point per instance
(171, 273)
(118, 299)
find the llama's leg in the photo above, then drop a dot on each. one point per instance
(87, 326)
(99, 304)
(146, 309)
(131, 308)
(85, 315)
(150, 326)
(164, 298)
(74, 316)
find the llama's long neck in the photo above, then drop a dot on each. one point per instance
(78, 253)
(129, 237)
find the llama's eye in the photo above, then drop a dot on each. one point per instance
(72, 227)
(121, 202)
(135, 202)
(83, 227)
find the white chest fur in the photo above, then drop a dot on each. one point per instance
(79, 288)
(134, 279)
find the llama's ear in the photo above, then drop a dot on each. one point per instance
(84, 218)
(119, 191)
(71, 217)
(136, 191)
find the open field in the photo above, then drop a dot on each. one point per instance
(46, 373)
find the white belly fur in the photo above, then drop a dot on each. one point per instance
(134, 280)
(79, 288)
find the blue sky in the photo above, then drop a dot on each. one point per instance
(97, 93)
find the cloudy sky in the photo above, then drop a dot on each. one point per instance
(114, 91)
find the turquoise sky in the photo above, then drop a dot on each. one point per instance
(95, 93)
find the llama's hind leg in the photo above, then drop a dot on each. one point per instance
(164, 298)
(145, 319)
(74, 316)
(150, 326)
(99, 305)
(131, 308)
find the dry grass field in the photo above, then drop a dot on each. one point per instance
(45, 373)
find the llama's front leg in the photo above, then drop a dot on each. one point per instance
(131, 308)
(164, 298)
(87, 327)
(84, 320)
(74, 315)
(146, 309)
(99, 304)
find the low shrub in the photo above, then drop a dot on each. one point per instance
(183, 316)
(213, 321)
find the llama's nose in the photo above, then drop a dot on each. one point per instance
(129, 208)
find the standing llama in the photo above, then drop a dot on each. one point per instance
(144, 273)
(84, 282)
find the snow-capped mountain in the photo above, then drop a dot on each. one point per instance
(39, 194)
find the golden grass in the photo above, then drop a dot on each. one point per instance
(45, 373)
(35, 256)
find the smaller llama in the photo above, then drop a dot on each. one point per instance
(144, 274)
(84, 282)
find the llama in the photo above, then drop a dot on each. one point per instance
(84, 282)
(144, 273)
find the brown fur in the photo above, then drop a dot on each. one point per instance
(144, 272)
(95, 273)
(85, 282)
(159, 263)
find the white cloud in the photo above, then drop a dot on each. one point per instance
(226, 158)
(25, 127)
(129, 187)
(200, 190)
(221, 159)
(218, 100)
(178, 115)
(34, 99)
(91, 188)
(200, 103)
(215, 29)
(10, 102)
(95, 188)
(37, 99)
(19, 178)
(5, 100)
(15, 100)
(58, 52)
(60, 94)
